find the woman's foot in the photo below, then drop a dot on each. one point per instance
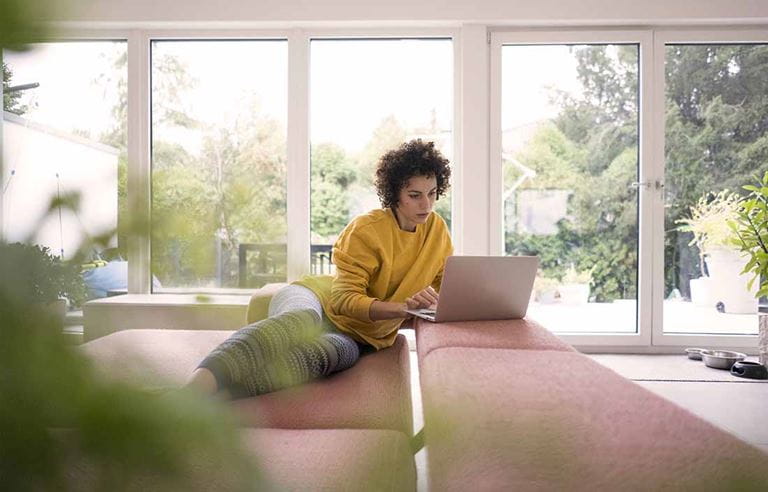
(203, 380)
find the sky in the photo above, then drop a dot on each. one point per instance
(354, 84)
(69, 97)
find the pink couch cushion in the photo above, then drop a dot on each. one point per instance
(375, 393)
(506, 334)
(339, 459)
(556, 420)
(283, 459)
(153, 358)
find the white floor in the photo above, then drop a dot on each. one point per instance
(739, 407)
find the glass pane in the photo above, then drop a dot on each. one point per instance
(218, 164)
(570, 155)
(369, 96)
(64, 135)
(716, 133)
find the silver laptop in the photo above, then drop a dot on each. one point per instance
(483, 287)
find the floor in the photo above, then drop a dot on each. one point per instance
(737, 406)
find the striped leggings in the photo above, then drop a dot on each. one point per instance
(295, 344)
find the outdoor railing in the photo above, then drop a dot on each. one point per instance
(270, 259)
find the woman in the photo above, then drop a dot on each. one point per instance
(387, 261)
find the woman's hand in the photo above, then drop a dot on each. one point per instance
(423, 299)
(381, 310)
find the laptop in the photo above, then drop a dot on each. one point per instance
(478, 288)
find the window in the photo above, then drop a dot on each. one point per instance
(367, 97)
(715, 134)
(218, 163)
(64, 143)
(569, 165)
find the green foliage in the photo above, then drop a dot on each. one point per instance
(590, 149)
(610, 261)
(38, 276)
(332, 174)
(716, 137)
(708, 221)
(64, 427)
(751, 228)
(717, 134)
(22, 21)
(11, 99)
(443, 208)
(552, 156)
(387, 136)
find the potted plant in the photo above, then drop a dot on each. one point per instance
(751, 229)
(546, 289)
(725, 284)
(574, 289)
(42, 278)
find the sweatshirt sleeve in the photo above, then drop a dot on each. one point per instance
(356, 261)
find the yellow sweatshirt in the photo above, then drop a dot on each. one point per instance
(376, 260)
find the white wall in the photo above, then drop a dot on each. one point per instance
(37, 154)
(508, 12)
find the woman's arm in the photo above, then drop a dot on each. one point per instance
(390, 310)
(380, 310)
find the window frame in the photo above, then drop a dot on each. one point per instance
(295, 132)
(139, 174)
(643, 39)
(476, 85)
(394, 34)
(662, 37)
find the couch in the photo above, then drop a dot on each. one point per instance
(508, 405)
(350, 431)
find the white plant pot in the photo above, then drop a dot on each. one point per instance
(729, 286)
(701, 292)
(548, 296)
(574, 294)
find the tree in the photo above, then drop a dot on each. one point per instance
(590, 148)
(387, 136)
(716, 134)
(11, 99)
(332, 175)
(716, 138)
(172, 80)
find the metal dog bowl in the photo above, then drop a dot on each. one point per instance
(721, 359)
(694, 353)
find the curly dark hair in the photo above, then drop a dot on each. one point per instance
(414, 158)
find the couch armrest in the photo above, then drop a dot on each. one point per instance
(258, 306)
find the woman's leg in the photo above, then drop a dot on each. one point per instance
(294, 345)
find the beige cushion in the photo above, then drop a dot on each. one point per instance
(258, 307)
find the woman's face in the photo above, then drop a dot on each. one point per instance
(415, 202)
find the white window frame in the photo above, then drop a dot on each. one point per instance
(401, 33)
(140, 271)
(644, 39)
(476, 86)
(298, 144)
(662, 37)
